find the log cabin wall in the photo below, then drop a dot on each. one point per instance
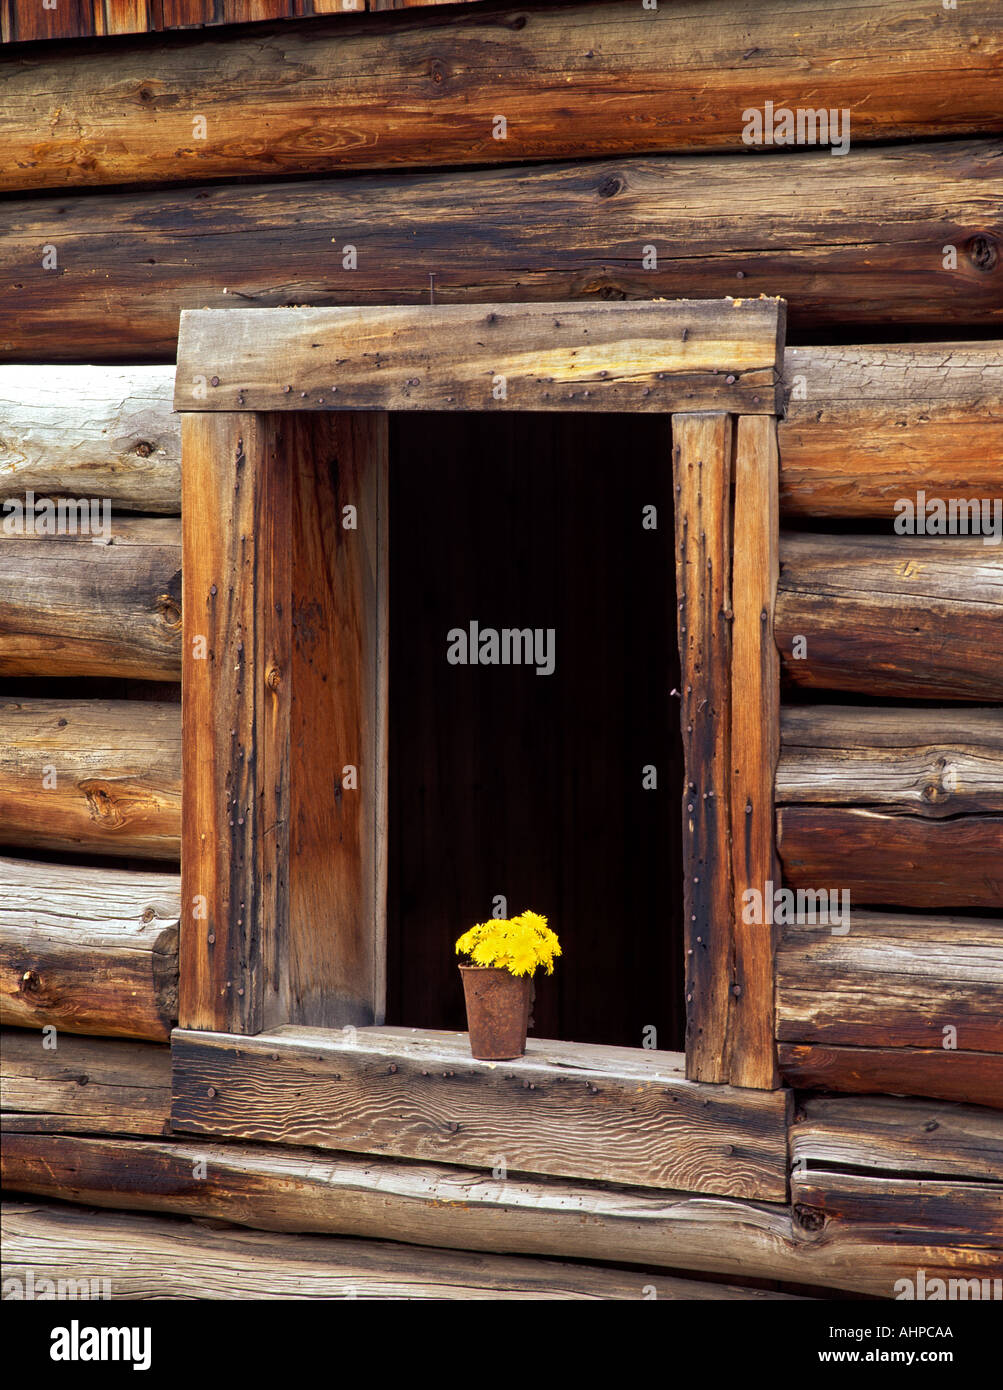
(161, 156)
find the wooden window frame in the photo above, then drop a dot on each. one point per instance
(285, 423)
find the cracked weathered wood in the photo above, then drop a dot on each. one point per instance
(893, 980)
(612, 1114)
(86, 605)
(83, 1085)
(973, 1077)
(680, 355)
(927, 762)
(96, 776)
(572, 82)
(531, 233)
(866, 426)
(89, 950)
(903, 617)
(104, 432)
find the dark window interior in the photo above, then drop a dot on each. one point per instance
(505, 782)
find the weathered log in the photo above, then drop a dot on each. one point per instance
(140, 1257)
(84, 605)
(866, 426)
(53, 1083)
(301, 1190)
(103, 432)
(893, 981)
(892, 616)
(89, 950)
(929, 762)
(102, 776)
(891, 860)
(613, 1114)
(682, 355)
(545, 233)
(428, 91)
(972, 1077)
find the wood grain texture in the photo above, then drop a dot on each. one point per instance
(701, 457)
(866, 426)
(233, 704)
(428, 90)
(609, 1114)
(97, 776)
(284, 853)
(538, 233)
(901, 617)
(301, 1190)
(333, 961)
(755, 743)
(926, 762)
(104, 432)
(86, 605)
(891, 860)
(906, 1137)
(146, 1257)
(673, 356)
(84, 1085)
(89, 950)
(973, 1077)
(893, 981)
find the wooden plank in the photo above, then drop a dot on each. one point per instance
(928, 762)
(282, 853)
(428, 90)
(755, 743)
(609, 1114)
(333, 960)
(98, 776)
(89, 950)
(892, 860)
(102, 600)
(893, 981)
(230, 710)
(301, 1190)
(893, 616)
(685, 355)
(104, 432)
(143, 1257)
(903, 1202)
(539, 233)
(84, 1085)
(866, 426)
(701, 458)
(974, 1077)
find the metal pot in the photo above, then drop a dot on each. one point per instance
(498, 1005)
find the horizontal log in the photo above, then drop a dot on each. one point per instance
(565, 1109)
(141, 1257)
(893, 981)
(299, 1190)
(538, 233)
(83, 1085)
(891, 860)
(103, 432)
(891, 616)
(83, 605)
(866, 426)
(101, 776)
(89, 950)
(676, 78)
(682, 355)
(883, 1136)
(972, 1077)
(928, 762)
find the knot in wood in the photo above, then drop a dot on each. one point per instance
(983, 252)
(30, 982)
(808, 1218)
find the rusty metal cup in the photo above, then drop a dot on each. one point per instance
(497, 1011)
